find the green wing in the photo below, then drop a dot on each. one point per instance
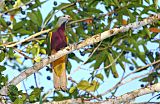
(48, 41)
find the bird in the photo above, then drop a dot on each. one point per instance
(57, 40)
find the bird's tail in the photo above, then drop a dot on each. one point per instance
(59, 73)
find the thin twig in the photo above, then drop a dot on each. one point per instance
(35, 79)
(112, 62)
(120, 83)
(20, 52)
(144, 67)
(26, 39)
(74, 71)
(24, 87)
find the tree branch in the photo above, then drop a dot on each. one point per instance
(133, 94)
(122, 82)
(117, 100)
(92, 40)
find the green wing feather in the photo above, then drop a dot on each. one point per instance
(48, 41)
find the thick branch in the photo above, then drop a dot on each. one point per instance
(117, 100)
(132, 95)
(94, 39)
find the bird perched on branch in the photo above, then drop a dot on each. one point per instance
(57, 40)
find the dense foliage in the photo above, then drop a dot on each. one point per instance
(22, 18)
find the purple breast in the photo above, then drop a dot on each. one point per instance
(58, 40)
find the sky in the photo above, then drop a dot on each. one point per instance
(80, 74)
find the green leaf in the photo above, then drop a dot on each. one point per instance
(12, 92)
(142, 56)
(132, 17)
(35, 17)
(23, 31)
(18, 101)
(107, 71)
(148, 1)
(116, 2)
(100, 76)
(2, 56)
(113, 67)
(11, 53)
(61, 6)
(48, 18)
(74, 57)
(83, 85)
(155, 2)
(2, 68)
(39, 17)
(69, 66)
(147, 31)
(17, 26)
(43, 51)
(25, 1)
(135, 63)
(72, 89)
(94, 10)
(93, 86)
(35, 94)
(100, 57)
(2, 21)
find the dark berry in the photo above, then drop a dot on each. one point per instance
(12, 2)
(25, 58)
(95, 19)
(7, 3)
(85, 27)
(19, 69)
(42, 88)
(91, 46)
(131, 68)
(6, 13)
(23, 12)
(30, 4)
(82, 53)
(8, 23)
(125, 52)
(11, 59)
(116, 14)
(55, 3)
(14, 67)
(142, 85)
(48, 78)
(92, 33)
(149, 53)
(72, 25)
(126, 43)
(84, 8)
(96, 27)
(32, 87)
(5, 63)
(84, 23)
(47, 69)
(4, 50)
(133, 55)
